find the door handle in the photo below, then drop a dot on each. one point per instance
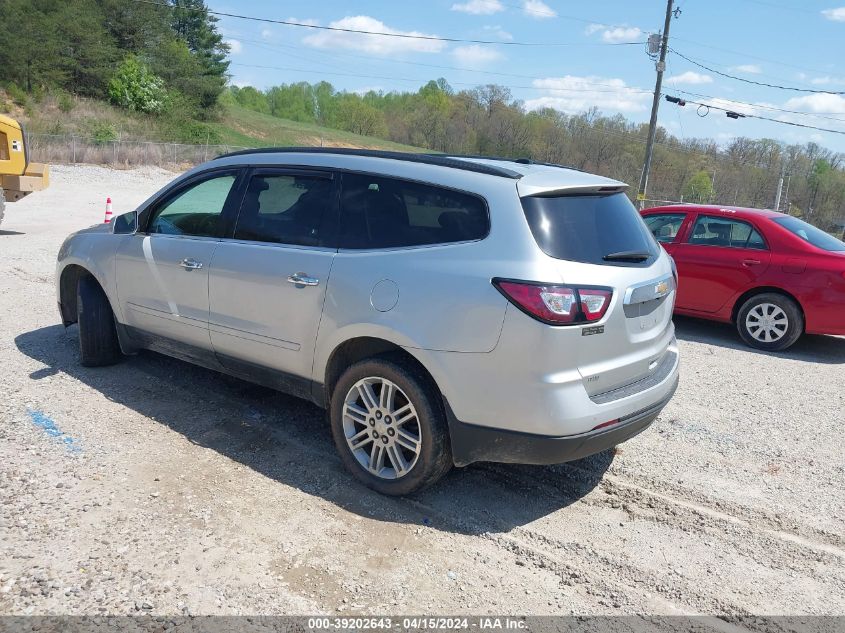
(302, 279)
(750, 262)
(190, 264)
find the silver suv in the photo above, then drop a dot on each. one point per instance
(445, 310)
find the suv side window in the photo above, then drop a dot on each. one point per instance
(716, 231)
(285, 209)
(385, 212)
(665, 226)
(195, 211)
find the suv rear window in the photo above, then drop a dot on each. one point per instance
(811, 234)
(594, 229)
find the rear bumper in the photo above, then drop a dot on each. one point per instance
(472, 443)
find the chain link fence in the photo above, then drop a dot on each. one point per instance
(68, 149)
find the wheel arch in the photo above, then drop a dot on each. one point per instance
(745, 296)
(359, 348)
(68, 283)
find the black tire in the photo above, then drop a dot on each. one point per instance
(98, 344)
(794, 326)
(435, 452)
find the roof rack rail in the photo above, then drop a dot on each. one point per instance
(441, 160)
(521, 161)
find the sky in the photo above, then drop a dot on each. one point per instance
(583, 59)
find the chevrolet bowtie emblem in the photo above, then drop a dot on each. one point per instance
(662, 288)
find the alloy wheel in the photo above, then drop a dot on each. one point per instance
(382, 428)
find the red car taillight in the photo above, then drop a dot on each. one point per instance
(556, 305)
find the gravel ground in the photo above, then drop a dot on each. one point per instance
(157, 487)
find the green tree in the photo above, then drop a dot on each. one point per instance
(192, 22)
(135, 87)
(699, 188)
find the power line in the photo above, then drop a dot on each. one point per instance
(407, 36)
(756, 83)
(748, 55)
(743, 69)
(818, 115)
(737, 115)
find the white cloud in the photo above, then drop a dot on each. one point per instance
(691, 78)
(266, 34)
(835, 15)
(751, 69)
(614, 34)
(479, 7)
(475, 55)
(538, 9)
(235, 47)
(576, 94)
(818, 103)
(498, 31)
(376, 44)
(621, 34)
(827, 81)
(366, 89)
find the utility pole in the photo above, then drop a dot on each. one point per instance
(655, 104)
(788, 176)
(780, 185)
(777, 195)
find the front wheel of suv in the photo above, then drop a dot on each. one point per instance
(770, 321)
(98, 344)
(389, 427)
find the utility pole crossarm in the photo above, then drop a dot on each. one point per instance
(658, 85)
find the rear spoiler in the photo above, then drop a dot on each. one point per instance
(565, 182)
(574, 190)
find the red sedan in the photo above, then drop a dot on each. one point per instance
(771, 274)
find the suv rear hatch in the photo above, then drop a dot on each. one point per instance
(596, 238)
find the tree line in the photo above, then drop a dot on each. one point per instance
(488, 120)
(166, 60)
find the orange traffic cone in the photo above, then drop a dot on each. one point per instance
(107, 220)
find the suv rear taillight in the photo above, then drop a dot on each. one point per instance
(556, 305)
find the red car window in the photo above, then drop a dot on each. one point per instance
(711, 230)
(665, 226)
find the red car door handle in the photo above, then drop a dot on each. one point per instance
(750, 262)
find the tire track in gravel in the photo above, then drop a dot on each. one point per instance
(691, 505)
(725, 511)
(782, 549)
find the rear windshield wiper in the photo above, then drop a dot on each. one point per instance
(634, 256)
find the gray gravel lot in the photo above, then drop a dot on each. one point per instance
(157, 487)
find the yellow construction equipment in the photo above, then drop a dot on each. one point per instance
(18, 177)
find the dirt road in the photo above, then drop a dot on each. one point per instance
(157, 487)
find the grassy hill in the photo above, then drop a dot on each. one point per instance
(89, 118)
(240, 126)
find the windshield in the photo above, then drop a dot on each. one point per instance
(594, 229)
(811, 234)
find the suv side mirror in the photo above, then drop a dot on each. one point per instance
(126, 223)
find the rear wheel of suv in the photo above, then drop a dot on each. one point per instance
(389, 427)
(98, 343)
(770, 321)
